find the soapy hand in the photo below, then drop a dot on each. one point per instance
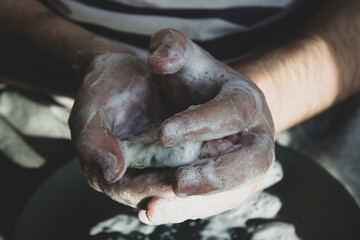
(115, 101)
(230, 113)
(201, 100)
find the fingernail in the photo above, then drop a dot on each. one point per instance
(111, 169)
(158, 50)
(144, 217)
(155, 42)
(153, 47)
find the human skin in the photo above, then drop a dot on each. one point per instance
(286, 74)
(315, 70)
(230, 114)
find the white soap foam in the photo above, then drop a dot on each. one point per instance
(261, 205)
(274, 175)
(208, 171)
(122, 223)
(174, 50)
(275, 231)
(252, 169)
(146, 151)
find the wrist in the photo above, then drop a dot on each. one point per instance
(256, 72)
(298, 79)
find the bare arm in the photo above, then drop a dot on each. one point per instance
(100, 114)
(308, 75)
(38, 47)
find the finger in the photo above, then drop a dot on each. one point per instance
(228, 113)
(99, 149)
(204, 77)
(175, 56)
(117, 89)
(107, 108)
(173, 209)
(215, 147)
(137, 187)
(246, 162)
(100, 153)
(167, 51)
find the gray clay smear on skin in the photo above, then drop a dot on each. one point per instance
(145, 151)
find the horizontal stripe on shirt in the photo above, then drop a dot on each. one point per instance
(206, 28)
(215, 4)
(245, 16)
(225, 33)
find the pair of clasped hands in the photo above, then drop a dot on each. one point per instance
(190, 97)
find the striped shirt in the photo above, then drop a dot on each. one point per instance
(228, 29)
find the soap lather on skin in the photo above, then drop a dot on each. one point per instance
(145, 151)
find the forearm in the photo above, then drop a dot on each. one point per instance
(308, 75)
(39, 48)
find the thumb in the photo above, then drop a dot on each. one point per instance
(171, 52)
(100, 152)
(168, 51)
